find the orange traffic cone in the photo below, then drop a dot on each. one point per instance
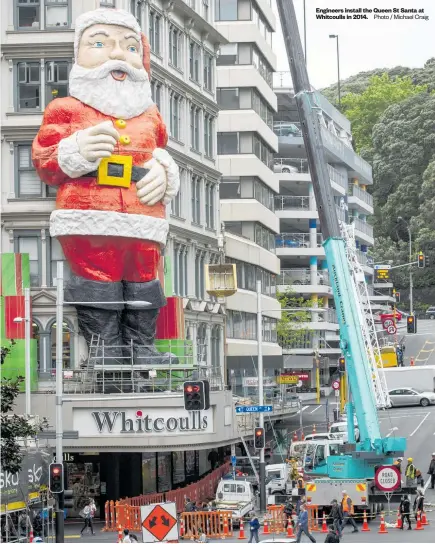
(226, 531)
(295, 437)
(412, 362)
(242, 531)
(419, 526)
(266, 528)
(324, 525)
(314, 429)
(365, 525)
(424, 519)
(290, 533)
(120, 537)
(302, 436)
(382, 527)
(399, 521)
(31, 535)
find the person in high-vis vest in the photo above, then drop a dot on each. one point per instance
(347, 509)
(410, 472)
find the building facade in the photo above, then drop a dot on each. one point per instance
(245, 146)
(299, 244)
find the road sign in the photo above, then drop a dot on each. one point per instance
(382, 275)
(382, 266)
(335, 385)
(291, 379)
(250, 409)
(391, 329)
(387, 323)
(337, 392)
(159, 522)
(233, 460)
(387, 478)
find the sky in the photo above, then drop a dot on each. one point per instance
(364, 44)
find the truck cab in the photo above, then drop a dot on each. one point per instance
(237, 496)
(278, 478)
(316, 454)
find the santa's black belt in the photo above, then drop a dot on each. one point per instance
(117, 171)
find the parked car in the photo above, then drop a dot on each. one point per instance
(409, 396)
(339, 431)
(430, 312)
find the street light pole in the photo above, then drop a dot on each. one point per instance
(411, 285)
(27, 325)
(335, 36)
(261, 396)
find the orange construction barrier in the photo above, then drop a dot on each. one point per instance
(419, 526)
(365, 526)
(181, 528)
(399, 521)
(424, 518)
(266, 527)
(324, 525)
(382, 526)
(215, 525)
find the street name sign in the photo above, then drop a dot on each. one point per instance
(387, 478)
(253, 409)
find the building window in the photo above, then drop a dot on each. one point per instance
(264, 237)
(56, 79)
(209, 205)
(241, 325)
(180, 269)
(154, 33)
(176, 208)
(194, 128)
(199, 275)
(28, 184)
(247, 187)
(56, 256)
(227, 143)
(245, 54)
(194, 60)
(228, 99)
(208, 136)
(208, 71)
(56, 14)
(196, 199)
(206, 10)
(29, 86)
(215, 341)
(226, 10)
(175, 50)
(201, 342)
(107, 4)
(66, 345)
(28, 14)
(248, 274)
(174, 115)
(156, 93)
(30, 242)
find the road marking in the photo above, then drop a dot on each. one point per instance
(420, 424)
(392, 431)
(304, 408)
(426, 485)
(316, 408)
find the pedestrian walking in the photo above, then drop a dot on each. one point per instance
(431, 471)
(302, 526)
(418, 503)
(348, 512)
(254, 526)
(126, 536)
(87, 514)
(410, 472)
(332, 536)
(405, 510)
(289, 512)
(419, 477)
(337, 517)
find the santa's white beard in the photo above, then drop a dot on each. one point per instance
(122, 99)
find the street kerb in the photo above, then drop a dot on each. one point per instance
(159, 522)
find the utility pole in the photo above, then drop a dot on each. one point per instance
(27, 329)
(60, 532)
(411, 285)
(261, 396)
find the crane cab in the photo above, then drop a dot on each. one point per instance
(316, 455)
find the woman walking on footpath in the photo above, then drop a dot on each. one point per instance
(88, 514)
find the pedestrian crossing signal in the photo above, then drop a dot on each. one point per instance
(411, 324)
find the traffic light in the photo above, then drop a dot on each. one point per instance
(68, 498)
(341, 364)
(421, 260)
(196, 395)
(259, 438)
(411, 324)
(56, 477)
(397, 296)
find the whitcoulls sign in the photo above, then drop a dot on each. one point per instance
(146, 421)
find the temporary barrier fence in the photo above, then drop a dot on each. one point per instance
(217, 524)
(126, 512)
(276, 519)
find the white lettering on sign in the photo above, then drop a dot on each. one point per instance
(387, 478)
(121, 422)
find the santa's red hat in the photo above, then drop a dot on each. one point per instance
(107, 16)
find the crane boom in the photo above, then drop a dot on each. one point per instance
(372, 446)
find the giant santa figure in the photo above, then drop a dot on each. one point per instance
(103, 147)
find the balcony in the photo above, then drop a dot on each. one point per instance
(301, 276)
(364, 259)
(338, 151)
(337, 178)
(289, 134)
(363, 230)
(360, 199)
(291, 166)
(294, 167)
(296, 240)
(292, 203)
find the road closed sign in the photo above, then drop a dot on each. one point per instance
(387, 478)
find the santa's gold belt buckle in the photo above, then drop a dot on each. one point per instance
(116, 171)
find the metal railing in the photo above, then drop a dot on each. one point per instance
(296, 239)
(341, 214)
(301, 276)
(362, 195)
(362, 257)
(291, 166)
(330, 316)
(334, 175)
(287, 129)
(292, 203)
(362, 226)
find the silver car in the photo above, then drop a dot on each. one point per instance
(409, 396)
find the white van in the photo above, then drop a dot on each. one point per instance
(339, 431)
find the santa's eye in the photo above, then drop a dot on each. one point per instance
(98, 44)
(132, 48)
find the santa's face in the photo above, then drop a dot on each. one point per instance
(109, 74)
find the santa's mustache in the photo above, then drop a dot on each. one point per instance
(101, 72)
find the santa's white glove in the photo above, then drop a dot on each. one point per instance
(162, 181)
(97, 142)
